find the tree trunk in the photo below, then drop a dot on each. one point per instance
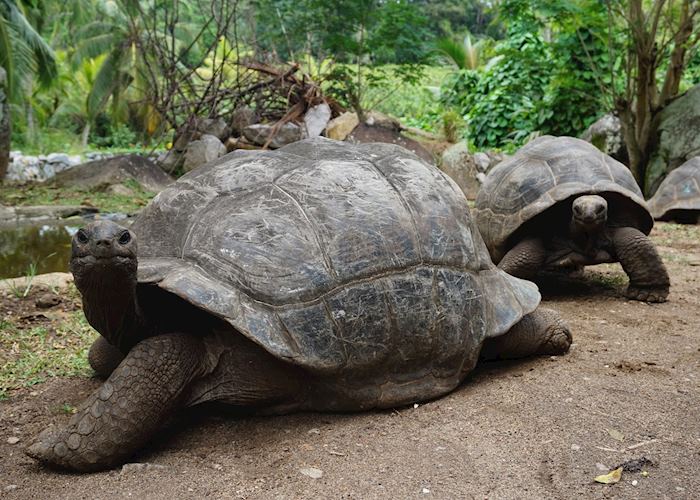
(85, 135)
(5, 130)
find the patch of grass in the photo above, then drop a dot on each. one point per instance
(48, 194)
(611, 281)
(30, 355)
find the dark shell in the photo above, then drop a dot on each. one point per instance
(339, 258)
(542, 173)
(680, 190)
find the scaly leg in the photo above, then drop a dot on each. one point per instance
(104, 357)
(540, 332)
(649, 280)
(525, 259)
(123, 414)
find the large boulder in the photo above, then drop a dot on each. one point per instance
(115, 170)
(466, 169)
(678, 137)
(606, 134)
(207, 148)
(4, 125)
(277, 136)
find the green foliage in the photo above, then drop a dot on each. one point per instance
(536, 85)
(118, 135)
(504, 104)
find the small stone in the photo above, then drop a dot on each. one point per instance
(9, 487)
(217, 466)
(13, 440)
(635, 482)
(415, 405)
(425, 491)
(313, 431)
(312, 472)
(47, 300)
(141, 467)
(602, 467)
(575, 447)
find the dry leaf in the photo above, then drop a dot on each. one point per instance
(617, 435)
(611, 477)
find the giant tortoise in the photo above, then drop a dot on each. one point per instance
(560, 203)
(678, 196)
(320, 276)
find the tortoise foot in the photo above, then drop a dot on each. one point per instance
(647, 294)
(558, 340)
(48, 447)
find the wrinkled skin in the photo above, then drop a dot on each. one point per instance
(153, 368)
(590, 240)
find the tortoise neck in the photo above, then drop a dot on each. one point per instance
(110, 303)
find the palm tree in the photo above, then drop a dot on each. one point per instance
(23, 55)
(465, 54)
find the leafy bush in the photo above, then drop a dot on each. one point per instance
(119, 136)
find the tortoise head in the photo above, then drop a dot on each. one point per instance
(589, 212)
(103, 252)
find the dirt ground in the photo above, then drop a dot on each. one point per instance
(538, 428)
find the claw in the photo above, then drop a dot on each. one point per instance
(647, 294)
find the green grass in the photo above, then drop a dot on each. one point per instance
(29, 356)
(48, 194)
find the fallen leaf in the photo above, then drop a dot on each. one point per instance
(312, 472)
(617, 435)
(611, 477)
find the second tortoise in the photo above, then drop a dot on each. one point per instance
(559, 203)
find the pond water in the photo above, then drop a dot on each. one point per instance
(42, 248)
(27, 250)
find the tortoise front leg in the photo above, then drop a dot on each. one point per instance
(123, 414)
(649, 280)
(525, 259)
(540, 332)
(104, 357)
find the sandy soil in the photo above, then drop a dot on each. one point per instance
(539, 428)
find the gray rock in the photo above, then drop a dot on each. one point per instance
(241, 118)
(115, 170)
(460, 165)
(213, 126)
(207, 148)
(606, 134)
(679, 136)
(482, 161)
(57, 158)
(260, 133)
(316, 119)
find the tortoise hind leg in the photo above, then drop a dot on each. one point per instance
(540, 332)
(123, 414)
(525, 259)
(649, 280)
(104, 357)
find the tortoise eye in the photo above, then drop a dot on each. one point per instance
(124, 238)
(81, 236)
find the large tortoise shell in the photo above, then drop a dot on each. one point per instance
(340, 258)
(680, 190)
(543, 173)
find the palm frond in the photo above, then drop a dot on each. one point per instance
(453, 51)
(90, 48)
(43, 54)
(105, 83)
